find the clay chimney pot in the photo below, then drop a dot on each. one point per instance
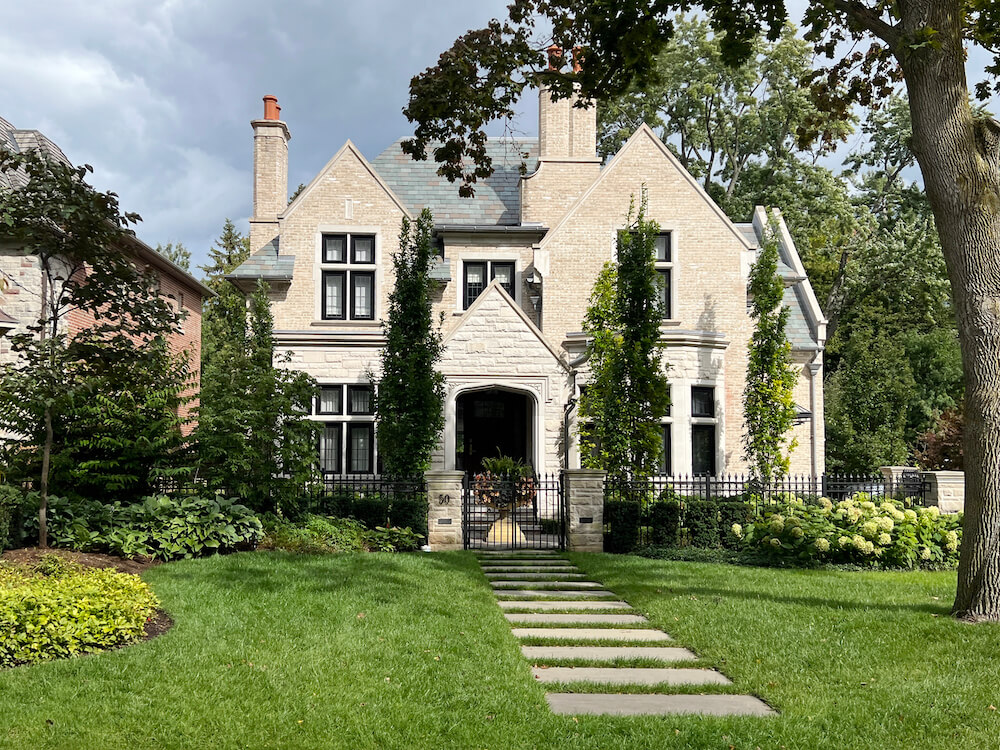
(577, 59)
(555, 57)
(271, 109)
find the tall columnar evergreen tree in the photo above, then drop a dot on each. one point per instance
(229, 251)
(768, 405)
(91, 411)
(409, 403)
(628, 394)
(253, 439)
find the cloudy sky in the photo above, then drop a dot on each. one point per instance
(157, 95)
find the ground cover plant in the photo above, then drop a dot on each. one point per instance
(161, 526)
(403, 651)
(326, 534)
(56, 609)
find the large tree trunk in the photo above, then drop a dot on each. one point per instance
(960, 162)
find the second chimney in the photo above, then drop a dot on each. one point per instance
(270, 173)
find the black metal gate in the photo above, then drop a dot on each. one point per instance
(503, 513)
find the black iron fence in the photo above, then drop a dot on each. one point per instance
(374, 500)
(506, 513)
(650, 511)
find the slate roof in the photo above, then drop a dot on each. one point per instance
(800, 333)
(20, 141)
(265, 264)
(497, 200)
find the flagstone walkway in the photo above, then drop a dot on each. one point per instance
(581, 637)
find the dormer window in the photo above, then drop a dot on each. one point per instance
(479, 274)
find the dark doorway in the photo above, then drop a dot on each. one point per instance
(492, 423)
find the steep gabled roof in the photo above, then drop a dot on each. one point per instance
(21, 141)
(644, 131)
(497, 200)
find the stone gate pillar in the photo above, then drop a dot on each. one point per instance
(584, 490)
(444, 510)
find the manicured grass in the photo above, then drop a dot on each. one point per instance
(410, 651)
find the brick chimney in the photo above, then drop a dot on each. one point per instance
(567, 151)
(270, 173)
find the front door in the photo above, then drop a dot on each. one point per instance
(490, 423)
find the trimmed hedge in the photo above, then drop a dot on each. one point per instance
(622, 519)
(665, 523)
(701, 517)
(58, 610)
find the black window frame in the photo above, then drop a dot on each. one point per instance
(369, 427)
(365, 274)
(703, 389)
(665, 282)
(350, 410)
(337, 428)
(466, 300)
(331, 235)
(318, 409)
(666, 445)
(513, 270)
(709, 429)
(327, 315)
(354, 249)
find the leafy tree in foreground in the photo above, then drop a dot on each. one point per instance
(409, 403)
(768, 404)
(869, 45)
(628, 392)
(93, 411)
(253, 438)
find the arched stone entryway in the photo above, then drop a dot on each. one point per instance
(492, 422)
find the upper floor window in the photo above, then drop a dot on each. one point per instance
(478, 275)
(663, 259)
(702, 401)
(348, 277)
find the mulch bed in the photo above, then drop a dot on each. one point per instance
(31, 555)
(160, 622)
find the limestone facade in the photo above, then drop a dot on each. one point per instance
(533, 270)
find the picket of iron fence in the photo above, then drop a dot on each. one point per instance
(372, 499)
(636, 510)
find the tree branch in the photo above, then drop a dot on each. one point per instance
(869, 20)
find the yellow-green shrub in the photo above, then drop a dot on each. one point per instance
(58, 610)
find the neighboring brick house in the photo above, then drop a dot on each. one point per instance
(518, 264)
(20, 300)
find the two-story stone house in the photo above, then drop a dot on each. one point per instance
(518, 264)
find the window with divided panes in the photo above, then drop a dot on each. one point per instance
(348, 277)
(703, 430)
(347, 441)
(479, 274)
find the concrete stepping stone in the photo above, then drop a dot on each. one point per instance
(592, 634)
(528, 568)
(513, 584)
(588, 619)
(630, 675)
(607, 653)
(574, 605)
(558, 593)
(577, 704)
(521, 574)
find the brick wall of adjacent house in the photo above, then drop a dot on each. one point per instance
(186, 341)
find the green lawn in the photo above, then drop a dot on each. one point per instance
(410, 651)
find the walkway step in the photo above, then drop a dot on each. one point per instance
(513, 584)
(561, 594)
(529, 619)
(521, 574)
(608, 653)
(576, 704)
(523, 555)
(575, 605)
(630, 676)
(529, 568)
(592, 634)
